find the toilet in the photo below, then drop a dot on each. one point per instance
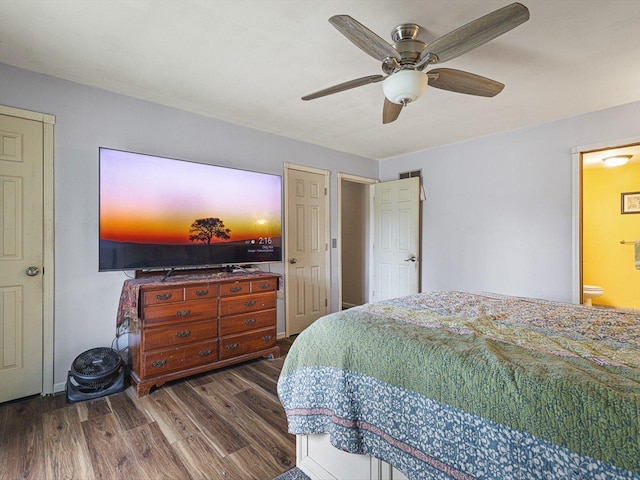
(589, 292)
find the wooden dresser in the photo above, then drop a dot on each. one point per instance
(192, 326)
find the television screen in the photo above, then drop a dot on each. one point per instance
(158, 212)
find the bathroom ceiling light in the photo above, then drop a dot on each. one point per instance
(616, 161)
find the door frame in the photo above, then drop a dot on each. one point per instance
(576, 206)
(327, 233)
(48, 121)
(355, 179)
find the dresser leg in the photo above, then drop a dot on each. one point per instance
(143, 390)
(275, 353)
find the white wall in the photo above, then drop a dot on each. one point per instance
(497, 218)
(86, 118)
(498, 215)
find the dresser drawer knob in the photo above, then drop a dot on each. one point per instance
(249, 303)
(183, 313)
(165, 296)
(205, 353)
(159, 363)
(266, 338)
(264, 285)
(250, 321)
(231, 346)
(202, 293)
(235, 289)
(184, 334)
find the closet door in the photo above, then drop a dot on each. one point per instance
(307, 249)
(21, 257)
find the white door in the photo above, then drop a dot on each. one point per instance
(396, 239)
(306, 248)
(21, 257)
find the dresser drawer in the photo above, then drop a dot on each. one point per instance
(269, 285)
(248, 303)
(201, 353)
(235, 288)
(179, 334)
(159, 362)
(247, 321)
(166, 295)
(200, 292)
(235, 345)
(180, 312)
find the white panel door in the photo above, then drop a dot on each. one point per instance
(307, 249)
(21, 257)
(396, 239)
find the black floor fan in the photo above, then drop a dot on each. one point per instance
(95, 373)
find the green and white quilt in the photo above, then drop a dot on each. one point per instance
(462, 385)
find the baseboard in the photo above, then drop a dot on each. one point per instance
(59, 387)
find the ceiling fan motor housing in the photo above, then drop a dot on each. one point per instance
(404, 86)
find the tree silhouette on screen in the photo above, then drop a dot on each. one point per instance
(205, 229)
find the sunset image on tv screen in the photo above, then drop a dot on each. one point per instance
(155, 201)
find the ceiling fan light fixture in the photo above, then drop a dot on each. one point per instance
(616, 161)
(404, 86)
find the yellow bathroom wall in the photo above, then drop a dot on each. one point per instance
(605, 261)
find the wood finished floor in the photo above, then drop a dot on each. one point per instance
(227, 424)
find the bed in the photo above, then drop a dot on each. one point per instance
(466, 385)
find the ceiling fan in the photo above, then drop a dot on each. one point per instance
(404, 61)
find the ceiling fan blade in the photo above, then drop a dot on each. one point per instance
(364, 38)
(476, 33)
(463, 82)
(358, 82)
(390, 111)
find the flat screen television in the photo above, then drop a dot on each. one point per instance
(163, 213)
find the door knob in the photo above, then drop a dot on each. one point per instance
(32, 271)
(293, 260)
(412, 258)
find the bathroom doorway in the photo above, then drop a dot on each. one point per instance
(609, 227)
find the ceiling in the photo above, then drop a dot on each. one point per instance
(249, 62)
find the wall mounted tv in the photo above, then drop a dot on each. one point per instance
(162, 213)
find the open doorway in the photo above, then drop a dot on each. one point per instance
(609, 229)
(378, 239)
(353, 237)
